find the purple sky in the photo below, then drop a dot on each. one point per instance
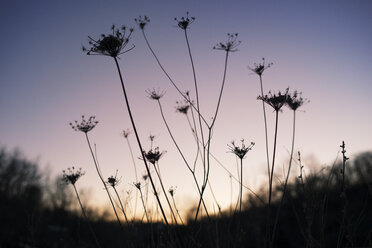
(322, 48)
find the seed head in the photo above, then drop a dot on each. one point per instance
(240, 152)
(85, 125)
(260, 67)
(72, 175)
(142, 22)
(184, 22)
(295, 100)
(182, 107)
(113, 44)
(153, 155)
(276, 101)
(126, 133)
(155, 94)
(172, 190)
(230, 45)
(113, 180)
(137, 185)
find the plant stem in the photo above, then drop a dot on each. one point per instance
(266, 138)
(121, 205)
(139, 142)
(286, 180)
(86, 218)
(271, 179)
(102, 180)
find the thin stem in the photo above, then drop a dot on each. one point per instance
(286, 180)
(241, 185)
(135, 173)
(121, 205)
(103, 181)
(196, 86)
(180, 152)
(86, 218)
(165, 193)
(271, 179)
(266, 138)
(139, 142)
(170, 79)
(206, 173)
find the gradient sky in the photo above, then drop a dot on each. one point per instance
(322, 48)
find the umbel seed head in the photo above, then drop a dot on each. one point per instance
(113, 44)
(85, 125)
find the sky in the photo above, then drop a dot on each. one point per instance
(322, 48)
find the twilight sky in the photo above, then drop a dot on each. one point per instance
(322, 48)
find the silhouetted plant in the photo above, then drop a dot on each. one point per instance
(241, 152)
(293, 101)
(114, 45)
(113, 181)
(259, 69)
(70, 177)
(86, 126)
(276, 101)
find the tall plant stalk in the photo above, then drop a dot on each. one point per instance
(102, 180)
(139, 142)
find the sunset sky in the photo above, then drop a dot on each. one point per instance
(322, 48)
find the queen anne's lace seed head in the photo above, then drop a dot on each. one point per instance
(142, 21)
(113, 44)
(85, 125)
(72, 175)
(184, 22)
(113, 180)
(231, 44)
(240, 152)
(275, 100)
(153, 155)
(155, 94)
(295, 100)
(259, 68)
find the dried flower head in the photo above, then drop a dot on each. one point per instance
(85, 125)
(137, 185)
(182, 107)
(112, 45)
(172, 190)
(145, 177)
(295, 100)
(185, 22)
(155, 94)
(113, 180)
(126, 133)
(142, 22)
(230, 45)
(72, 175)
(153, 155)
(277, 101)
(260, 67)
(240, 152)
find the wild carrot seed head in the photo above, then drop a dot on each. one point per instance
(126, 133)
(113, 180)
(112, 44)
(142, 22)
(275, 100)
(240, 152)
(72, 175)
(295, 100)
(153, 155)
(155, 94)
(85, 125)
(184, 22)
(182, 107)
(259, 68)
(231, 44)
